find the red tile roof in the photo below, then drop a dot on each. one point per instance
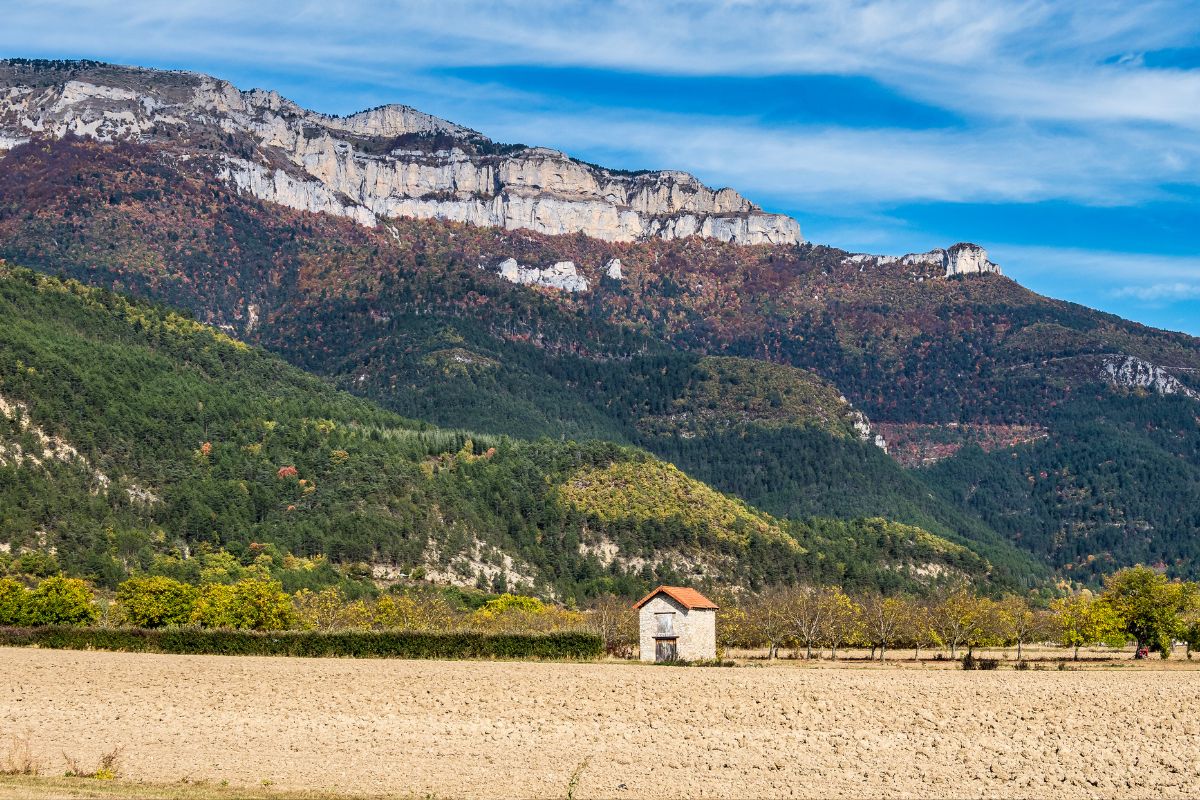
(688, 598)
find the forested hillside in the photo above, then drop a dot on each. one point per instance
(730, 361)
(1119, 482)
(414, 324)
(135, 440)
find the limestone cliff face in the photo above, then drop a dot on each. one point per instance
(862, 426)
(959, 259)
(392, 161)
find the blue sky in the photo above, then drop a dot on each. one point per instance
(1062, 136)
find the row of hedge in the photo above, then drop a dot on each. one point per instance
(351, 644)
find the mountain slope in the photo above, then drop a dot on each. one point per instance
(132, 437)
(413, 323)
(515, 331)
(1116, 481)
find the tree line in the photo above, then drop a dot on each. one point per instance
(1137, 605)
(257, 602)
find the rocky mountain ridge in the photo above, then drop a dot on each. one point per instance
(392, 161)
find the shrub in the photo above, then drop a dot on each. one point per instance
(60, 601)
(513, 602)
(262, 605)
(520, 614)
(213, 607)
(35, 563)
(251, 603)
(1021, 665)
(970, 661)
(155, 602)
(12, 602)
(406, 613)
(328, 610)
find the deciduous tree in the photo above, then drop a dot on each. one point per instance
(917, 627)
(12, 602)
(771, 618)
(955, 618)
(1151, 606)
(616, 622)
(60, 601)
(152, 602)
(841, 619)
(1020, 624)
(1084, 620)
(883, 620)
(251, 603)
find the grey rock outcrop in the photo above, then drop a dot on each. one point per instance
(862, 426)
(1131, 372)
(392, 161)
(561, 275)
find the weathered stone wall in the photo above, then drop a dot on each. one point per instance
(702, 636)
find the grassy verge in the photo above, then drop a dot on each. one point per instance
(28, 787)
(352, 644)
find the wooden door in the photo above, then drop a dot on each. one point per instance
(664, 650)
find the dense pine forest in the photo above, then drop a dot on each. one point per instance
(138, 441)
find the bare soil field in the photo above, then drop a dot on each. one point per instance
(520, 730)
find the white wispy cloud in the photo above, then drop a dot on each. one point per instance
(1158, 292)
(1044, 60)
(837, 168)
(1051, 110)
(1158, 289)
(1106, 268)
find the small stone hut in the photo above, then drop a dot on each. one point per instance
(676, 623)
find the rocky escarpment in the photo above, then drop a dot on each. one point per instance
(392, 161)
(959, 259)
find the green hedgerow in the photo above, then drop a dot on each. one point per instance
(355, 644)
